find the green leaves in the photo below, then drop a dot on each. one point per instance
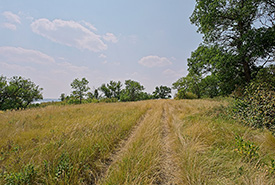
(162, 92)
(246, 149)
(112, 89)
(257, 107)
(18, 92)
(132, 92)
(243, 28)
(80, 88)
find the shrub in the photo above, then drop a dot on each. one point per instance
(108, 100)
(272, 167)
(257, 107)
(246, 149)
(185, 95)
(27, 175)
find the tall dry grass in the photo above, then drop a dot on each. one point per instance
(63, 145)
(139, 160)
(74, 144)
(206, 147)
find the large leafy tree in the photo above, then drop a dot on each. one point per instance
(244, 28)
(80, 87)
(201, 87)
(18, 92)
(132, 92)
(217, 62)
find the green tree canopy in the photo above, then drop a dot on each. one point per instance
(215, 61)
(18, 92)
(80, 88)
(132, 91)
(244, 28)
(162, 92)
(112, 89)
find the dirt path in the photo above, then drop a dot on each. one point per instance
(121, 148)
(170, 170)
(168, 167)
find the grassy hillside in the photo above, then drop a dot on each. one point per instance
(149, 142)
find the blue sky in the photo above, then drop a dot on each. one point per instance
(53, 42)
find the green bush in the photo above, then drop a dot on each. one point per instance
(246, 149)
(108, 100)
(185, 95)
(257, 107)
(28, 175)
(272, 167)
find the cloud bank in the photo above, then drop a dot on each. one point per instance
(22, 56)
(69, 33)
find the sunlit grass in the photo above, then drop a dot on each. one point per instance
(85, 134)
(82, 144)
(206, 147)
(139, 161)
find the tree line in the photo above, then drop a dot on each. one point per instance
(113, 92)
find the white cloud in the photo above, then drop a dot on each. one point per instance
(15, 67)
(9, 26)
(11, 17)
(70, 68)
(23, 56)
(110, 38)
(154, 61)
(169, 72)
(173, 73)
(69, 33)
(102, 56)
(89, 25)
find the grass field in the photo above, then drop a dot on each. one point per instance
(147, 142)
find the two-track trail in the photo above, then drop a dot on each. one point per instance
(147, 155)
(170, 170)
(121, 147)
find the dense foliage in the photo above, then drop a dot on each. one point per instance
(239, 40)
(17, 92)
(257, 106)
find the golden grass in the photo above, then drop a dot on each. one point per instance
(131, 143)
(85, 133)
(139, 160)
(206, 146)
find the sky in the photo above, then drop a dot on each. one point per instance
(54, 42)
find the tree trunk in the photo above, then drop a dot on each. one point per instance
(247, 71)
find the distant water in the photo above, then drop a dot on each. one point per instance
(45, 101)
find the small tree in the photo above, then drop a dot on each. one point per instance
(62, 97)
(80, 88)
(115, 88)
(162, 92)
(111, 90)
(106, 91)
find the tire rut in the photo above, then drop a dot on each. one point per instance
(169, 172)
(120, 148)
